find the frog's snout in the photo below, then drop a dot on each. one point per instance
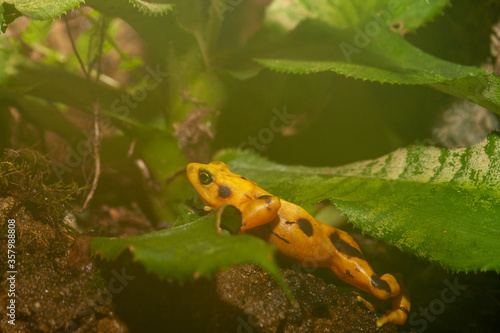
(192, 170)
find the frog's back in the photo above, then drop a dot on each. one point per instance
(297, 235)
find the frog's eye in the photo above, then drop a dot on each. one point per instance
(205, 178)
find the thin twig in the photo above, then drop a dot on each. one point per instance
(73, 46)
(97, 109)
(97, 157)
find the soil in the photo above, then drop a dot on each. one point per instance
(56, 280)
(242, 299)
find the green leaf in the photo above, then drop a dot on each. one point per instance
(203, 21)
(190, 250)
(42, 10)
(356, 41)
(347, 14)
(152, 7)
(416, 13)
(439, 204)
(147, 27)
(385, 58)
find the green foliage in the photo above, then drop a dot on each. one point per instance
(349, 14)
(439, 204)
(353, 40)
(190, 250)
(44, 9)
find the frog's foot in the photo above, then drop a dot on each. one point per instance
(399, 312)
(395, 316)
(367, 304)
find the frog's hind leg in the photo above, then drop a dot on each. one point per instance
(350, 265)
(400, 309)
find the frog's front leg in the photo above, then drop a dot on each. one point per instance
(259, 211)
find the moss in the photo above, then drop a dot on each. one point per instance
(24, 175)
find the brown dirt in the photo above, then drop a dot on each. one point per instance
(261, 306)
(56, 281)
(241, 299)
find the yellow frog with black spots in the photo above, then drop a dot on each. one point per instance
(296, 234)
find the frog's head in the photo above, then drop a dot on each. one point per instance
(216, 185)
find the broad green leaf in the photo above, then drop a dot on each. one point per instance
(190, 250)
(382, 57)
(410, 14)
(353, 38)
(42, 10)
(413, 14)
(283, 16)
(439, 204)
